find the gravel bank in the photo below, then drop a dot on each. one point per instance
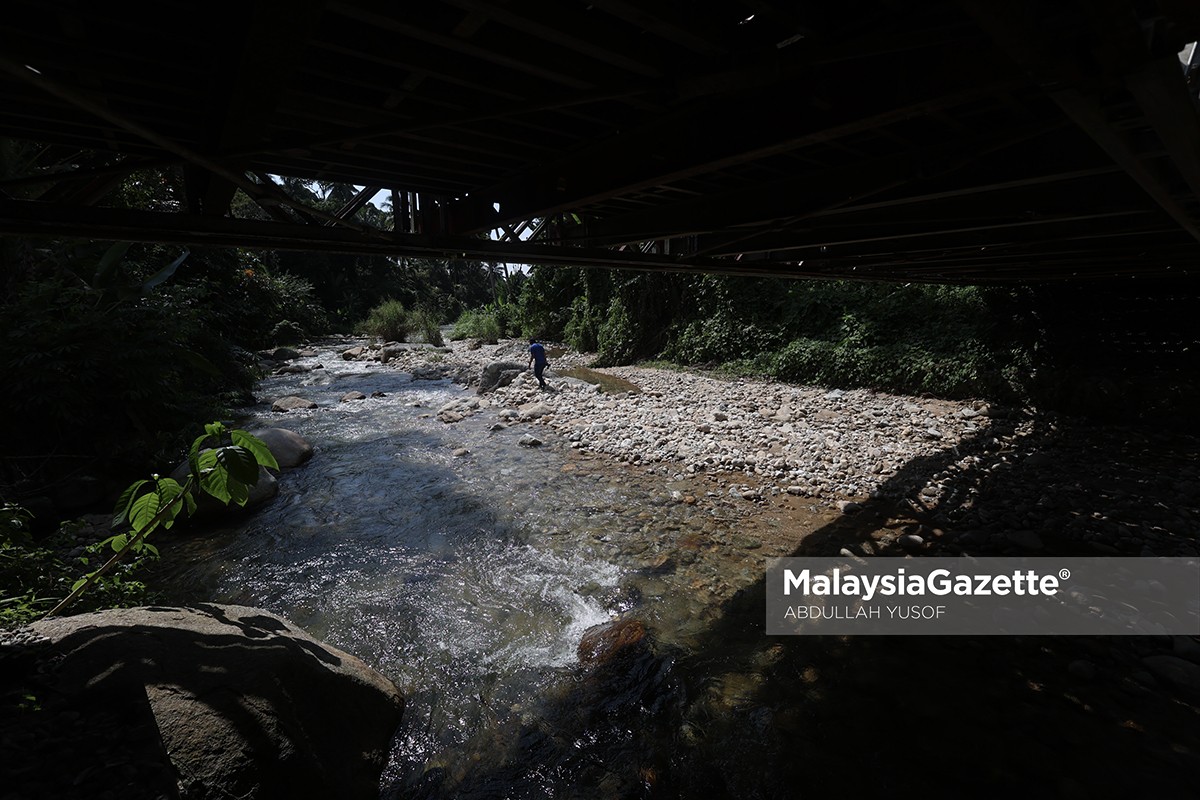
(949, 476)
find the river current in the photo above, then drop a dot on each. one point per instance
(469, 580)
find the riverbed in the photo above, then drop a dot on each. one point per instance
(465, 565)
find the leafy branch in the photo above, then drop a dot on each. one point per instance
(225, 473)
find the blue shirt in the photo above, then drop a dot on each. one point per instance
(539, 353)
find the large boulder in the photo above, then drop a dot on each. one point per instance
(213, 702)
(499, 373)
(280, 354)
(289, 448)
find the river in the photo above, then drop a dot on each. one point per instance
(467, 567)
(470, 579)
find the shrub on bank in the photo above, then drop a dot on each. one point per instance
(482, 324)
(427, 324)
(392, 322)
(389, 321)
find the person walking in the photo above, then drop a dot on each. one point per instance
(537, 360)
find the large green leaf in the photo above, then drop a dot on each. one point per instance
(215, 483)
(257, 446)
(222, 485)
(168, 490)
(240, 462)
(143, 511)
(121, 512)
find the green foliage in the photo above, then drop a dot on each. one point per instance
(392, 322)
(616, 339)
(483, 324)
(389, 321)
(35, 575)
(426, 322)
(582, 327)
(949, 341)
(287, 332)
(267, 307)
(717, 338)
(550, 298)
(110, 354)
(225, 473)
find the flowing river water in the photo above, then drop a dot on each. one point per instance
(470, 579)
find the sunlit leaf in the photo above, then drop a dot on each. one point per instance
(256, 446)
(121, 512)
(216, 482)
(144, 509)
(168, 490)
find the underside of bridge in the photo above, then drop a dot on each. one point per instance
(947, 141)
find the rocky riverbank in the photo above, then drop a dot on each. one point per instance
(783, 470)
(939, 476)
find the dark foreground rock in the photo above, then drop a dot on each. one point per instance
(206, 702)
(601, 644)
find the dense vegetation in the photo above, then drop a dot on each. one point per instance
(949, 341)
(1118, 352)
(115, 354)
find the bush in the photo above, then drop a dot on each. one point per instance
(582, 328)
(482, 324)
(287, 332)
(617, 337)
(389, 321)
(35, 575)
(426, 322)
